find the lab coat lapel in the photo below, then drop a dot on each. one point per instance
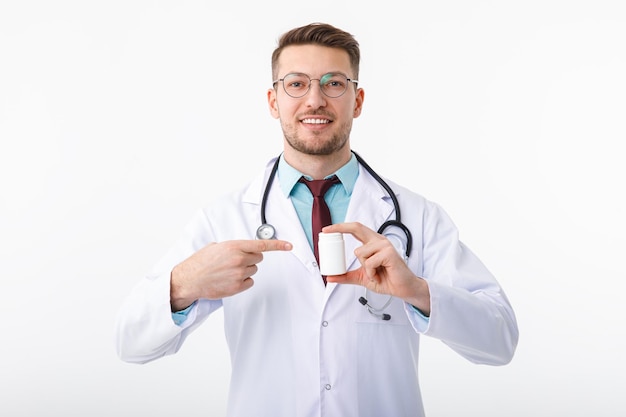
(281, 214)
(288, 225)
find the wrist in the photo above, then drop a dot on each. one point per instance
(180, 298)
(420, 298)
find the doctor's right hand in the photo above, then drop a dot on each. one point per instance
(219, 270)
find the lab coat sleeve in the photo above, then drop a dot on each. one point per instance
(145, 329)
(469, 310)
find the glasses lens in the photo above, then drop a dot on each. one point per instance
(334, 85)
(296, 85)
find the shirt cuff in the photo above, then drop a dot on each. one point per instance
(418, 320)
(418, 311)
(179, 317)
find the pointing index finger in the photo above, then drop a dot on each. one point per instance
(266, 245)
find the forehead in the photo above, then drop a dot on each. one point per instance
(314, 60)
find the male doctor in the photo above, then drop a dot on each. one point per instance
(302, 346)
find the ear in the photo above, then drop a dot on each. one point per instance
(358, 102)
(271, 102)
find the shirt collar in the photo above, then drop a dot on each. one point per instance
(289, 176)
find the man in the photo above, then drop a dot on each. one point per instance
(301, 345)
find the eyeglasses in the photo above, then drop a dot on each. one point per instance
(332, 85)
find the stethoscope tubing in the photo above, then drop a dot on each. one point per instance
(397, 222)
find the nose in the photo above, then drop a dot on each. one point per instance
(315, 98)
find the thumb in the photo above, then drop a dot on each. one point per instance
(350, 277)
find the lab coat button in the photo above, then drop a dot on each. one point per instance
(327, 386)
(315, 264)
(325, 323)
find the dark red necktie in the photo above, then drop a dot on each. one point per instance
(320, 214)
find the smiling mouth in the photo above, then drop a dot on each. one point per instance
(315, 121)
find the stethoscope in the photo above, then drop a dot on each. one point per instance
(267, 231)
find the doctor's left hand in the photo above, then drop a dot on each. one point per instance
(382, 268)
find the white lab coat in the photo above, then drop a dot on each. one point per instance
(300, 349)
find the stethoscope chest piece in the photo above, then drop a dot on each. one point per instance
(265, 231)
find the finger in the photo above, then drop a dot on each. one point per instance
(370, 249)
(246, 284)
(249, 271)
(371, 271)
(356, 229)
(263, 245)
(350, 277)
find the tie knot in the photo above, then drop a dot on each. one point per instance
(319, 187)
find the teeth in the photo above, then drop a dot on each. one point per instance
(316, 121)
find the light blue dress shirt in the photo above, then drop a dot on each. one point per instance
(337, 197)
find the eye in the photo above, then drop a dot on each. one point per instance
(296, 81)
(334, 81)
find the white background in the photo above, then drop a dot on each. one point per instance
(117, 119)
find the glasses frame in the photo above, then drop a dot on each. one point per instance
(349, 80)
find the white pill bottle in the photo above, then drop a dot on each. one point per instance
(332, 253)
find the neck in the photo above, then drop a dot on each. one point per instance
(317, 166)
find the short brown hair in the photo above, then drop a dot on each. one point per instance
(321, 34)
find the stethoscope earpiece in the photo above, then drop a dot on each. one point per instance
(376, 311)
